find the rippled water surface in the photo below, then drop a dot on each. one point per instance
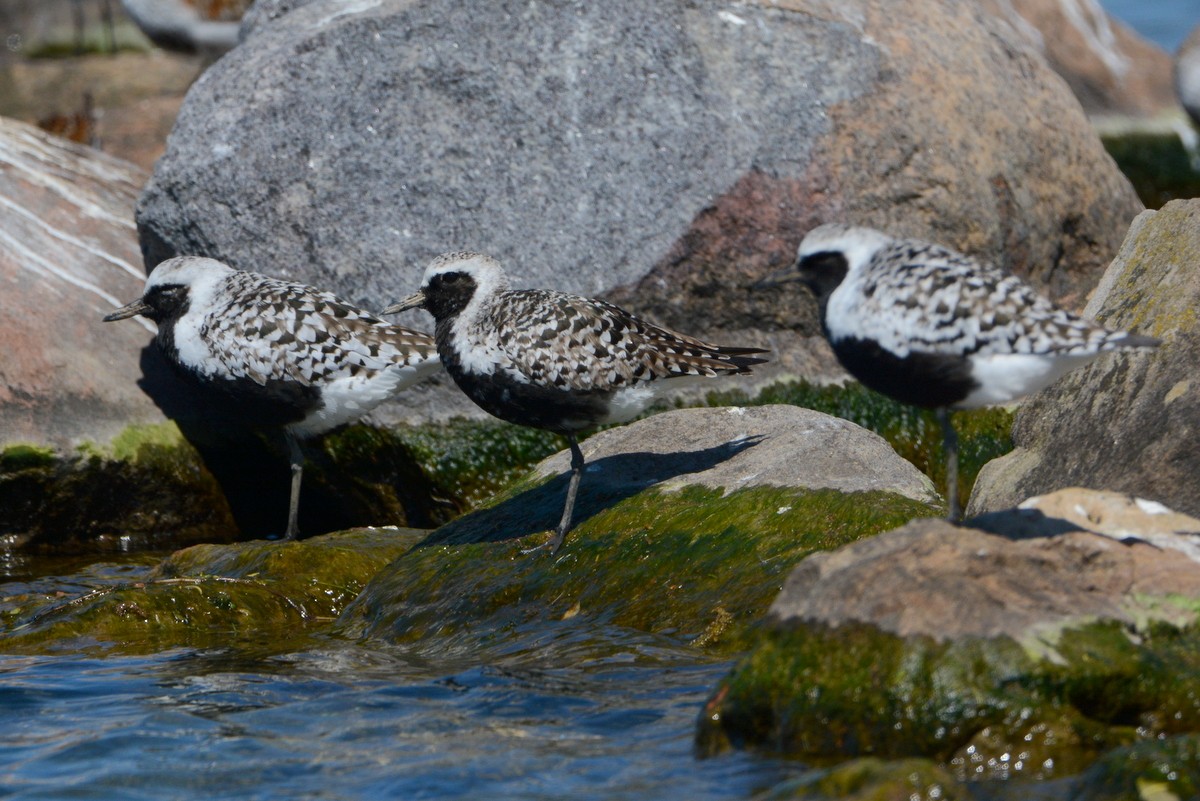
(351, 721)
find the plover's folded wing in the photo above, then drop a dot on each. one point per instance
(278, 330)
(583, 344)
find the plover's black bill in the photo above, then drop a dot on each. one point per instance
(414, 301)
(788, 275)
(125, 312)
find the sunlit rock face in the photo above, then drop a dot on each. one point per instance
(1110, 68)
(68, 256)
(664, 155)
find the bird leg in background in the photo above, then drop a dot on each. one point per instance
(950, 453)
(564, 525)
(297, 459)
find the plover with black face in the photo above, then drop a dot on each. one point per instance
(554, 361)
(283, 354)
(934, 328)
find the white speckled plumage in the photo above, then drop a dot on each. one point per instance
(935, 328)
(552, 360)
(300, 357)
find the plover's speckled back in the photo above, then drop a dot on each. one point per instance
(284, 353)
(554, 361)
(934, 328)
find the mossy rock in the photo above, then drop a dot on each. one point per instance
(872, 779)
(1166, 769)
(147, 489)
(698, 564)
(985, 708)
(269, 594)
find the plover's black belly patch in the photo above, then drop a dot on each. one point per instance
(526, 404)
(275, 403)
(921, 379)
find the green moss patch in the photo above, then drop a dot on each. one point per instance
(148, 489)
(264, 593)
(697, 564)
(981, 708)
(1156, 164)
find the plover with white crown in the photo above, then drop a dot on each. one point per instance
(554, 361)
(934, 328)
(281, 353)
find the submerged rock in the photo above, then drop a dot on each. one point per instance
(663, 154)
(686, 524)
(261, 594)
(1024, 653)
(1129, 422)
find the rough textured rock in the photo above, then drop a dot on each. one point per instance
(1028, 654)
(1041, 573)
(768, 446)
(1110, 68)
(1126, 423)
(68, 255)
(664, 154)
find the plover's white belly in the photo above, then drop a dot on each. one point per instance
(1005, 377)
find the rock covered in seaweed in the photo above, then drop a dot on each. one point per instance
(1028, 653)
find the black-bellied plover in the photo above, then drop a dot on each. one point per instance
(284, 354)
(937, 329)
(554, 361)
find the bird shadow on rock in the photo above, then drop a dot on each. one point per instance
(606, 482)
(250, 463)
(1022, 524)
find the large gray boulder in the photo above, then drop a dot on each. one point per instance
(1125, 422)
(662, 154)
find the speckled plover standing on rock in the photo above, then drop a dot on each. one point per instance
(283, 354)
(934, 328)
(554, 361)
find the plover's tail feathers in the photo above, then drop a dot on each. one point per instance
(669, 354)
(1121, 339)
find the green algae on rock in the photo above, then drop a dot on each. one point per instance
(259, 593)
(871, 779)
(1030, 652)
(705, 531)
(695, 564)
(148, 488)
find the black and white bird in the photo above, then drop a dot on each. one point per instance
(934, 328)
(280, 353)
(554, 361)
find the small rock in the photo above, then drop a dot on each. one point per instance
(1102, 558)
(761, 446)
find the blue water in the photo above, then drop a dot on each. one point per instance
(1164, 22)
(351, 722)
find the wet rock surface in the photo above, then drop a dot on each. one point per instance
(1028, 653)
(1126, 423)
(665, 155)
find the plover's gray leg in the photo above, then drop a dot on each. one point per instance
(950, 453)
(297, 458)
(564, 525)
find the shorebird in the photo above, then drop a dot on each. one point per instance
(554, 361)
(283, 354)
(934, 328)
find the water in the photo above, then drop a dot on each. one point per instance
(1164, 22)
(345, 721)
